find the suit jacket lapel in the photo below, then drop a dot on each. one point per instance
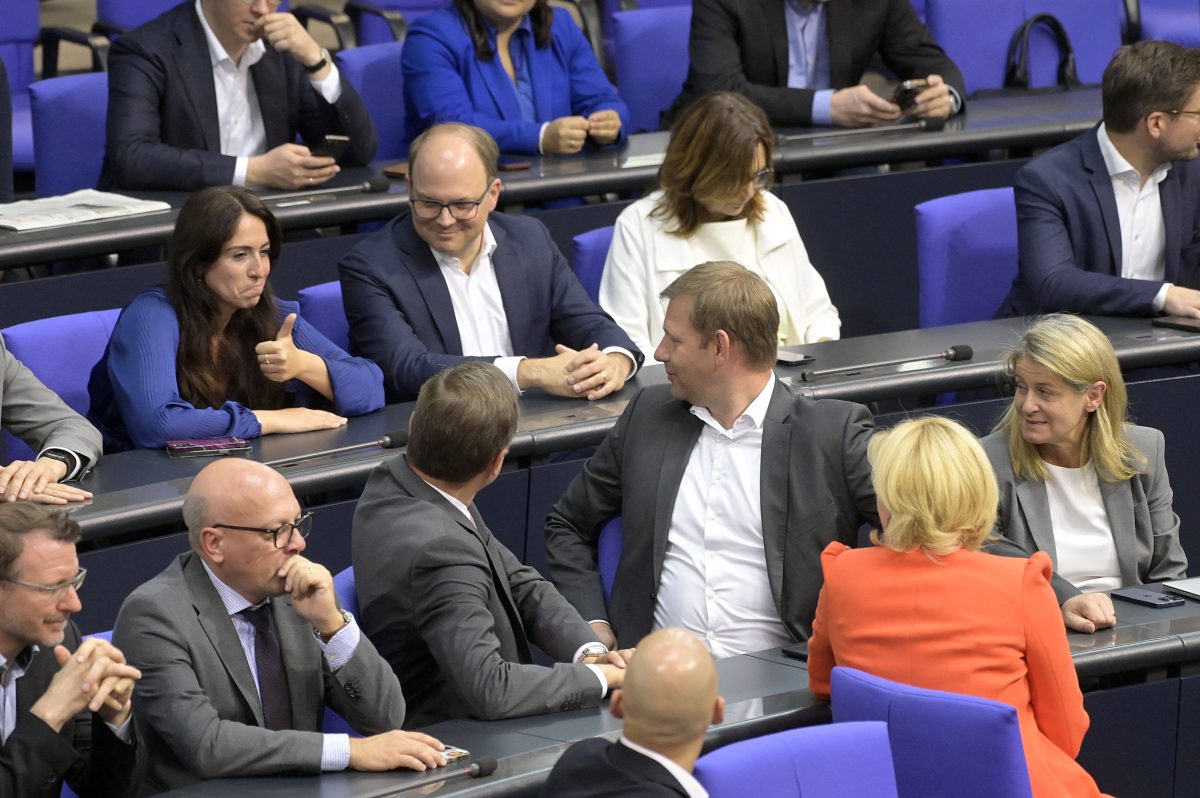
(1171, 203)
(680, 435)
(268, 72)
(217, 626)
(1093, 163)
(196, 73)
(774, 471)
(1034, 508)
(514, 293)
(1118, 506)
(304, 678)
(541, 66)
(838, 16)
(499, 84)
(428, 276)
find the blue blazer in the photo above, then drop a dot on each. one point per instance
(445, 82)
(163, 128)
(135, 393)
(401, 315)
(1070, 236)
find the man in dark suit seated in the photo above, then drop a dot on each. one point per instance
(1109, 223)
(213, 632)
(64, 705)
(669, 700)
(802, 60)
(445, 602)
(728, 485)
(214, 92)
(450, 280)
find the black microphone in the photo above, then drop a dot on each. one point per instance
(925, 125)
(393, 440)
(481, 767)
(951, 355)
(373, 185)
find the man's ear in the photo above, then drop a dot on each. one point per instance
(212, 542)
(719, 710)
(722, 342)
(616, 704)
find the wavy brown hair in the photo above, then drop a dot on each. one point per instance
(710, 158)
(541, 15)
(215, 365)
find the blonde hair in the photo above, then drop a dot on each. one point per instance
(937, 484)
(1080, 355)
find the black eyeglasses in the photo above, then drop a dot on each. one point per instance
(462, 210)
(1193, 114)
(54, 591)
(761, 179)
(281, 534)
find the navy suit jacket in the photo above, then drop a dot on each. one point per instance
(163, 129)
(1070, 235)
(444, 81)
(401, 315)
(595, 768)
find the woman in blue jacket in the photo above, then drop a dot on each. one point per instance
(214, 353)
(516, 68)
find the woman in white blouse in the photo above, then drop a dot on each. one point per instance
(1078, 481)
(711, 204)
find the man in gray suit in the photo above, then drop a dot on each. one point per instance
(728, 485)
(447, 604)
(67, 445)
(212, 635)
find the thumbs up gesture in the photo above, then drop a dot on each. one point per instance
(279, 360)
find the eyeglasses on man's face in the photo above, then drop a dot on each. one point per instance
(56, 592)
(1192, 114)
(281, 534)
(460, 210)
(272, 4)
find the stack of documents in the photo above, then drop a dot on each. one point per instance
(87, 205)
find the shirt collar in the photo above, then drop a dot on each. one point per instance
(449, 262)
(234, 601)
(462, 508)
(1116, 163)
(751, 418)
(217, 52)
(686, 780)
(21, 663)
(490, 29)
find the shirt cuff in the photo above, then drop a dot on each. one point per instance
(541, 137)
(620, 350)
(80, 462)
(821, 109)
(1160, 298)
(329, 87)
(124, 732)
(590, 644)
(341, 646)
(335, 751)
(599, 675)
(240, 169)
(509, 366)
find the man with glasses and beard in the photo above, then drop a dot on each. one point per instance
(451, 280)
(213, 632)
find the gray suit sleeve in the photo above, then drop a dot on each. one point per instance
(550, 620)
(36, 415)
(366, 692)
(451, 583)
(1167, 560)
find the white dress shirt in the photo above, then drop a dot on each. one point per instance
(238, 115)
(1139, 211)
(335, 748)
(686, 780)
(1083, 538)
(714, 578)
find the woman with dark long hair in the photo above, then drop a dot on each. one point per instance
(519, 69)
(214, 353)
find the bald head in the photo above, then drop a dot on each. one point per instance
(452, 147)
(670, 693)
(231, 489)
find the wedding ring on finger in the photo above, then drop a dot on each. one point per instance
(266, 360)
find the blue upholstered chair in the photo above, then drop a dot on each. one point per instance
(114, 17)
(18, 35)
(374, 72)
(966, 255)
(612, 7)
(650, 60)
(321, 306)
(944, 745)
(608, 553)
(1173, 20)
(845, 760)
(61, 352)
(68, 131)
(376, 28)
(343, 585)
(588, 252)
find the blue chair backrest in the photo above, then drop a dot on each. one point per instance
(613, 7)
(966, 255)
(937, 737)
(321, 306)
(125, 15)
(374, 72)
(976, 35)
(68, 131)
(651, 60)
(373, 30)
(608, 553)
(61, 352)
(343, 586)
(1173, 20)
(838, 761)
(19, 32)
(919, 6)
(589, 251)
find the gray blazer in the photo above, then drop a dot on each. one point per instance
(197, 706)
(1145, 528)
(36, 415)
(429, 602)
(815, 488)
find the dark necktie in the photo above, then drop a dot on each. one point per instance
(500, 581)
(272, 678)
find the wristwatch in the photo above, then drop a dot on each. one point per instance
(591, 650)
(317, 67)
(346, 616)
(62, 457)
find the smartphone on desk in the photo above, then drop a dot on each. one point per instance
(1148, 598)
(332, 145)
(786, 358)
(454, 754)
(1185, 323)
(208, 447)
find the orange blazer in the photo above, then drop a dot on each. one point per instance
(966, 622)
